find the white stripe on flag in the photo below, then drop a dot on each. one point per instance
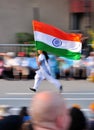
(47, 39)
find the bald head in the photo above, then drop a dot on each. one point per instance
(46, 107)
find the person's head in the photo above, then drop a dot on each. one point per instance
(76, 106)
(78, 119)
(49, 111)
(91, 107)
(12, 122)
(23, 112)
(40, 51)
(32, 54)
(45, 53)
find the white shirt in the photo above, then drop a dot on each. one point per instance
(44, 65)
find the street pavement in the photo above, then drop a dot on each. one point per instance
(17, 93)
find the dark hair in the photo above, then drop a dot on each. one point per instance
(12, 122)
(46, 55)
(79, 121)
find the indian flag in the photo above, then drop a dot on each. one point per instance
(55, 41)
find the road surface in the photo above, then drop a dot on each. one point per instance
(17, 93)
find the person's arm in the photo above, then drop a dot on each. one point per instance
(39, 59)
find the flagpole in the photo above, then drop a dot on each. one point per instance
(34, 37)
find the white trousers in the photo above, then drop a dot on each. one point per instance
(44, 75)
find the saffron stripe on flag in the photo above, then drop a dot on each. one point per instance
(50, 30)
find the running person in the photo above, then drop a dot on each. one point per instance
(44, 72)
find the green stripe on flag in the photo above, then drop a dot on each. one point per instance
(57, 51)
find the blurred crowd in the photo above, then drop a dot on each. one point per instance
(22, 66)
(47, 112)
(18, 66)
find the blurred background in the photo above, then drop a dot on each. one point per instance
(17, 52)
(68, 15)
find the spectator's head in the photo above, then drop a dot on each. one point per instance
(78, 118)
(49, 111)
(23, 113)
(91, 112)
(76, 106)
(91, 107)
(12, 122)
